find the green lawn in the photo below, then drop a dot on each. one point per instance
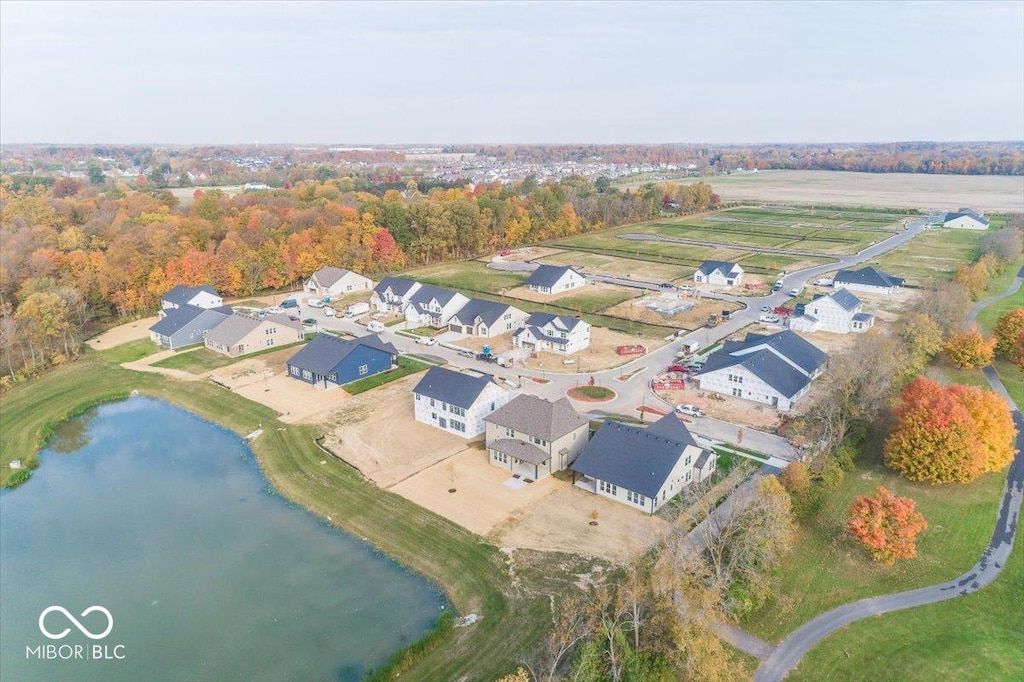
(406, 366)
(467, 275)
(203, 359)
(130, 352)
(931, 256)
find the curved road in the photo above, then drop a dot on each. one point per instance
(778, 664)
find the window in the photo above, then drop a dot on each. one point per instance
(688, 457)
(417, 396)
(538, 441)
(499, 456)
(295, 371)
(270, 342)
(333, 376)
(736, 378)
(635, 498)
(607, 487)
(511, 433)
(431, 402)
(364, 370)
(457, 410)
(458, 426)
(738, 392)
(307, 375)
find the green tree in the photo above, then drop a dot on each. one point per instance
(95, 172)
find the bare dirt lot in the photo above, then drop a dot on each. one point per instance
(526, 253)
(620, 267)
(376, 433)
(689, 319)
(129, 331)
(947, 192)
(726, 408)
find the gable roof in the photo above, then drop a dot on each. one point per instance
(427, 293)
(538, 417)
(176, 319)
(182, 294)
(844, 298)
(966, 213)
(560, 322)
(709, 266)
(236, 327)
(766, 366)
(399, 285)
(328, 276)
(454, 388)
(788, 344)
(488, 311)
(324, 352)
(548, 275)
(633, 458)
(519, 449)
(868, 276)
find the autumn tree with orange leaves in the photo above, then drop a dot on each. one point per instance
(1009, 335)
(949, 434)
(968, 348)
(888, 525)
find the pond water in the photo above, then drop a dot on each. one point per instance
(166, 521)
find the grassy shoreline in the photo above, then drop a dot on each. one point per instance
(473, 574)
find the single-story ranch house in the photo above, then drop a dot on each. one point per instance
(966, 219)
(839, 312)
(555, 279)
(242, 334)
(186, 325)
(457, 402)
(393, 293)
(642, 468)
(486, 319)
(328, 361)
(200, 297)
(869, 279)
(329, 281)
(719, 273)
(555, 333)
(776, 370)
(533, 437)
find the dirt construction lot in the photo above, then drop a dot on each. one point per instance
(130, 331)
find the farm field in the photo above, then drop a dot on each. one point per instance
(910, 190)
(617, 265)
(934, 255)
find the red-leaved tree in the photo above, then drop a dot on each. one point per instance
(888, 525)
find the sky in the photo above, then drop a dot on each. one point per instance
(436, 73)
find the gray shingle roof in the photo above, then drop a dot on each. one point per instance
(760, 355)
(427, 293)
(968, 212)
(562, 322)
(454, 388)
(787, 343)
(538, 417)
(328, 275)
(631, 457)
(182, 294)
(863, 317)
(323, 353)
(845, 299)
(709, 266)
(488, 311)
(868, 276)
(233, 329)
(548, 275)
(520, 450)
(176, 318)
(399, 285)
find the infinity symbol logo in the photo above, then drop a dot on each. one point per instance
(74, 621)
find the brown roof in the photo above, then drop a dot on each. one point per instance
(520, 450)
(538, 417)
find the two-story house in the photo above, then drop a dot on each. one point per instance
(719, 273)
(532, 437)
(457, 402)
(392, 294)
(333, 282)
(432, 306)
(555, 279)
(201, 297)
(486, 319)
(554, 333)
(839, 312)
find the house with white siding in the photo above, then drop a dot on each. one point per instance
(640, 467)
(486, 319)
(457, 402)
(243, 334)
(560, 334)
(555, 279)
(869, 280)
(532, 437)
(336, 282)
(775, 370)
(431, 306)
(392, 294)
(201, 297)
(719, 273)
(966, 219)
(839, 312)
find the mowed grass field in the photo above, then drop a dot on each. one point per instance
(934, 255)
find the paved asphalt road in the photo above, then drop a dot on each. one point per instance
(778, 664)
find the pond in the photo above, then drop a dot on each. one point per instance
(166, 522)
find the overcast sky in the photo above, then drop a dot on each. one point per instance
(222, 72)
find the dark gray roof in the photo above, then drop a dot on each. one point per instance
(968, 212)
(426, 293)
(788, 344)
(488, 311)
(845, 299)
(399, 285)
(702, 460)
(538, 417)
(328, 275)
(454, 388)
(538, 333)
(324, 352)
(631, 457)
(548, 275)
(868, 276)
(520, 450)
(863, 317)
(709, 266)
(182, 294)
(237, 326)
(562, 322)
(670, 426)
(176, 318)
(765, 365)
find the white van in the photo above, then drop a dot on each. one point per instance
(315, 303)
(376, 327)
(328, 311)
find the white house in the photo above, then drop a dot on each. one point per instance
(392, 294)
(719, 273)
(555, 279)
(533, 437)
(242, 334)
(205, 297)
(869, 280)
(839, 312)
(486, 319)
(776, 370)
(553, 333)
(328, 281)
(432, 306)
(456, 402)
(966, 219)
(642, 468)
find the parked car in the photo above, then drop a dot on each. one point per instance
(289, 303)
(309, 322)
(293, 318)
(315, 303)
(357, 309)
(777, 286)
(423, 340)
(794, 292)
(328, 311)
(726, 314)
(676, 368)
(486, 357)
(467, 353)
(824, 282)
(376, 327)
(273, 310)
(766, 309)
(667, 285)
(691, 410)
(770, 318)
